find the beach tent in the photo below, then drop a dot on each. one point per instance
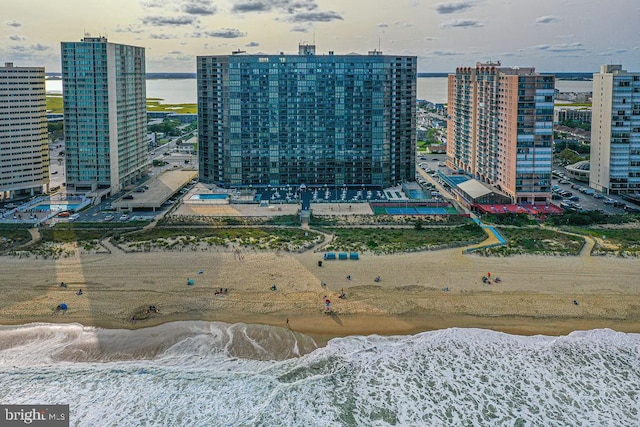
(342, 255)
(353, 255)
(63, 306)
(330, 255)
(190, 282)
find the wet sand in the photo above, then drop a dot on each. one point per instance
(417, 292)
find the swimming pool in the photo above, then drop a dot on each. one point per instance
(208, 197)
(54, 207)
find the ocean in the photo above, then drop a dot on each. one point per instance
(216, 374)
(184, 91)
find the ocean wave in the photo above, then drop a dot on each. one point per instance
(438, 378)
(49, 343)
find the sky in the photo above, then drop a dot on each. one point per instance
(551, 35)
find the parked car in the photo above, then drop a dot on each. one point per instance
(632, 209)
(574, 198)
(109, 217)
(124, 217)
(618, 204)
(608, 201)
(64, 214)
(598, 196)
(74, 217)
(128, 197)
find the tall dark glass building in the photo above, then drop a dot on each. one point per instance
(306, 119)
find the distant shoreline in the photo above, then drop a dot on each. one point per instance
(182, 76)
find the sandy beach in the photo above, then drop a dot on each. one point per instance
(417, 291)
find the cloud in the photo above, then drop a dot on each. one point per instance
(453, 7)
(199, 7)
(430, 39)
(611, 52)
(287, 6)
(16, 38)
(162, 36)
(153, 3)
(13, 23)
(251, 6)
(252, 44)
(461, 23)
(225, 33)
(159, 21)
(562, 47)
(445, 53)
(127, 29)
(39, 47)
(175, 52)
(314, 17)
(382, 25)
(548, 19)
(299, 29)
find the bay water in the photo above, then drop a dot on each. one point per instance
(181, 91)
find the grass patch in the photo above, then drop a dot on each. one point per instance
(396, 240)
(536, 241)
(13, 235)
(155, 104)
(581, 219)
(268, 238)
(614, 241)
(54, 104)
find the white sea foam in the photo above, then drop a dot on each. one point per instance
(199, 373)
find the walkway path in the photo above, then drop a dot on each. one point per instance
(494, 238)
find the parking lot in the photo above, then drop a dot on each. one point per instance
(578, 196)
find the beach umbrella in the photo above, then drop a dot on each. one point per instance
(63, 306)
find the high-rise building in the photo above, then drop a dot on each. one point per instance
(24, 140)
(306, 119)
(615, 131)
(105, 118)
(501, 128)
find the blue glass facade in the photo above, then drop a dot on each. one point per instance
(104, 114)
(313, 119)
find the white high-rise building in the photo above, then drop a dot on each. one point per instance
(615, 131)
(105, 119)
(24, 140)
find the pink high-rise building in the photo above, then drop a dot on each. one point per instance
(501, 128)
